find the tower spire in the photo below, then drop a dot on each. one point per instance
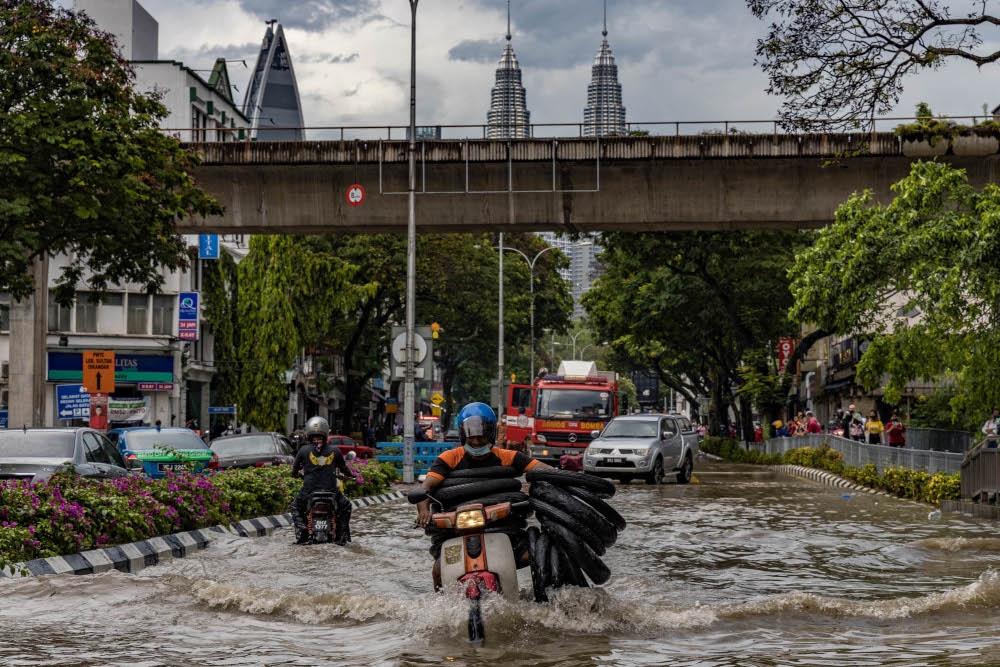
(508, 20)
(604, 32)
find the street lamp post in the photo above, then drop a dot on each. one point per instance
(531, 274)
(590, 345)
(411, 260)
(573, 356)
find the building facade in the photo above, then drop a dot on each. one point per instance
(272, 98)
(508, 117)
(604, 114)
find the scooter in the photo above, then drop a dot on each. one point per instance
(321, 520)
(483, 563)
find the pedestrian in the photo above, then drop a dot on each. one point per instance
(229, 429)
(801, 428)
(758, 433)
(992, 426)
(702, 431)
(896, 431)
(857, 430)
(874, 428)
(813, 424)
(845, 422)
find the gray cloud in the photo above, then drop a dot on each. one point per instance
(208, 53)
(313, 15)
(328, 58)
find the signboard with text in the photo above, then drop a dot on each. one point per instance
(187, 316)
(72, 401)
(785, 348)
(99, 371)
(3, 419)
(146, 368)
(208, 246)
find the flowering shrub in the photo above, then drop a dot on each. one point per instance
(67, 513)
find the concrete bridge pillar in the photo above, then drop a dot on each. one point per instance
(28, 331)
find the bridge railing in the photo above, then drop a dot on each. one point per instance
(858, 454)
(981, 472)
(549, 130)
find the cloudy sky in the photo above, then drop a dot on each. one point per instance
(677, 59)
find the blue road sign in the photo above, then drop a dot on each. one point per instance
(3, 419)
(208, 246)
(72, 401)
(222, 410)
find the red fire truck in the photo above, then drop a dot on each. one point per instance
(559, 412)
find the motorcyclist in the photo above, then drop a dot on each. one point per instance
(477, 430)
(318, 465)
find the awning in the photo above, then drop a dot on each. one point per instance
(837, 385)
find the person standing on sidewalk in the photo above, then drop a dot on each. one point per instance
(812, 426)
(896, 431)
(874, 428)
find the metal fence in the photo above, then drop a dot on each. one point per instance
(858, 454)
(938, 440)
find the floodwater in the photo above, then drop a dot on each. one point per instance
(745, 567)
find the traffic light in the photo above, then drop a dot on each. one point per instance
(435, 328)
(513, 377)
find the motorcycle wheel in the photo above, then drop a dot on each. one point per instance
(477, 632)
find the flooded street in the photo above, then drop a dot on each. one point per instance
(745, 567)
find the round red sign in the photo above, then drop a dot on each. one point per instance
(355, 195)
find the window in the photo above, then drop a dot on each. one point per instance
(59, 316)
(668, 425)
(112, 453)
(138, 314)
(4, 311)
(94, 449)
(86, 312)
(163, 314)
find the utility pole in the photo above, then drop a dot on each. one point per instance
(500, 396)
(411, 260)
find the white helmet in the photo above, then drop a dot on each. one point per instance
(317, 425)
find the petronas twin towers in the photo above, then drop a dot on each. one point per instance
(509, 118)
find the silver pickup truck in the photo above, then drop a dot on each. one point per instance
(647, 446)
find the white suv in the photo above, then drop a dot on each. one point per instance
(648, 446)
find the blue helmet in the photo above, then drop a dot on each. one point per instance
(477, 419)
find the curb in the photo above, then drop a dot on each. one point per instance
(828, 478)
(137, 556)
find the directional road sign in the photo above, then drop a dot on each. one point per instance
(99, 371)
(72, 401)
(222, 410)
(437, 398)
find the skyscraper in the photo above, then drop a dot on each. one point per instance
(604, 113)
(508, 116)
(272, 98)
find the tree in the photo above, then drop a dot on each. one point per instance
(220, 294)
(702, 310)
(919, 279)
(846, 60)
(289, 294)
(84, 170)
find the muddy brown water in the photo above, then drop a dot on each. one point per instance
(744, 567)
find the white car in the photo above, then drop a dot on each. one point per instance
(647, 446)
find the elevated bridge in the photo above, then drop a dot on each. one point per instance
(653, 183)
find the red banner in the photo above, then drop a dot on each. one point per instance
(785, 348)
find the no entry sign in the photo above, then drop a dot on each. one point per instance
(355, 195)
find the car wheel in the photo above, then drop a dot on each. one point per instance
(655, 475)
(687, 468)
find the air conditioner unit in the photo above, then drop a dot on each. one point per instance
(5, 370)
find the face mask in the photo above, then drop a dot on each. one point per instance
(480, 451)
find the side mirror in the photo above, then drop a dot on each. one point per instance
(350, 456)
(668, 434)
(133, 465)
(595, 434)
(417, 495)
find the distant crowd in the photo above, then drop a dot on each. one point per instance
(848, 423)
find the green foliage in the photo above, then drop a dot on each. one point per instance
(903, 482)
(933, 251)
(68, 514)
(627, 391)
(220, 298)
(938, 410)
(927, 127)
(84, 170)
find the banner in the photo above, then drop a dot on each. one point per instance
(786, 346)
(128, 409)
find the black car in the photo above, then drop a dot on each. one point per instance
(35, 454)
(253, 450)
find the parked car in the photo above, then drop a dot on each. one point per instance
(452, 435)
(346, 444)
(35, 454)
(648, 446)
(253, 450)
(163, 450)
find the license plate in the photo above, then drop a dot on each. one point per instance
(171, 467)
(614, 460)
(321, 524)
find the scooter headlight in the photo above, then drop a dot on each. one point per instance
(470, 519)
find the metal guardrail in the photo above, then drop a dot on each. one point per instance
(858, 454)
(424, 454)
(938, 440)
(981, 472)
(558, 130)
